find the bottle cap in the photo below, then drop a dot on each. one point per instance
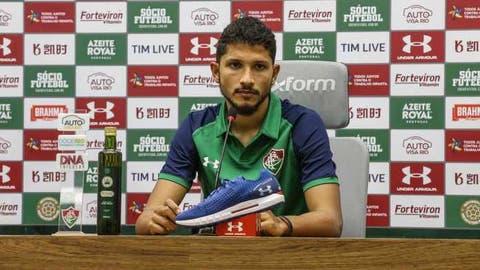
(111, 131)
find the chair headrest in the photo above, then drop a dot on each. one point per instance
(319, 85)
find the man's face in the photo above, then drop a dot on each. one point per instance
(245, 74)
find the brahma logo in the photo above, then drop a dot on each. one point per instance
(293, 84)
(72, 162)
(417, 14)
(204, 16)
(46, 112)
(466, 112)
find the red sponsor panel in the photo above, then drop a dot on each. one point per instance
(135, 206)
(198, 48)
(419, 46)
(11, 49)
(104, 111)
(378, 211)
(462, 145)
(417, 178)
(49, 17)
(152, 81)
(11, 176)
(369, 80)
(462, 14)
(271, 13)
(248, 225)
(41, 144)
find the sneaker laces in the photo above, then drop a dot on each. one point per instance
(225, 183)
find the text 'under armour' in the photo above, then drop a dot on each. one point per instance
(234, 198)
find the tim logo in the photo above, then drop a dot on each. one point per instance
(4, 177)
(4, 46)
(235, 227)
(93, 109)
(211, 46)
(423, 176)
(424, 44)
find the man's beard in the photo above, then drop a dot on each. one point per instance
(246, 110)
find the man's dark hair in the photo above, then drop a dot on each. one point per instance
(247, 30)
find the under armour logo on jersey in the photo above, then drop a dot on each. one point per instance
(196, 46)
(4, 46)
(409, 43)
(207, 161)
(267, 190)
(107, 110)
(238, 226)
(423, 175)
(4, 174)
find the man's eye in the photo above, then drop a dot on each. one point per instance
(234, 65)
(260, 67)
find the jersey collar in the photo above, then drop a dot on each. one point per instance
(271, 125)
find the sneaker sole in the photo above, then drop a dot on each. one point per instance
(240, 209)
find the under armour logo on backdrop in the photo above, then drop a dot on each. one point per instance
(4, 174)
(4, 46)
(197, 45)
(107, 110)
(424, 43)
(423, 175)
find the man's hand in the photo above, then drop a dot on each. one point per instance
(272, 225)
(161, 219)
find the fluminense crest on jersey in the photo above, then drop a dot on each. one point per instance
(273, 161)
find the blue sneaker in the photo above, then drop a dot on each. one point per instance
(234, 198)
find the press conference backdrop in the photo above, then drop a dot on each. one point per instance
(142, 66)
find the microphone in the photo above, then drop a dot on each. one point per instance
(231, 115)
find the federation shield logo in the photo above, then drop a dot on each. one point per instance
(70, 216)
(273, 161)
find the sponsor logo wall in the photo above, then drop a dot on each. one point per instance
(142, 66)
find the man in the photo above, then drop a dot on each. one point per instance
(287, 139)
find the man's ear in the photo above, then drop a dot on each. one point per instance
(215, 69)
(276, 70)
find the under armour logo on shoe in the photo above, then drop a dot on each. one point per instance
(267, 190)
(238, 226)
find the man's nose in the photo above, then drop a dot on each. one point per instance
(247, 78)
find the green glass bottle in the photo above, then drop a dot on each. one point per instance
(109, 194)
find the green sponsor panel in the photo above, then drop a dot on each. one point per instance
(309, 46)
(11, 113)
(153, 17)
(363, 15)
(417, 112)
(101, 49)
(462, 79)
(149, 144)
(90, 177)
(41, 208)
(49, 81)
(190, 104)
(463, 211)
(377, 141)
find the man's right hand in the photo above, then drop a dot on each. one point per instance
(158, 219)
